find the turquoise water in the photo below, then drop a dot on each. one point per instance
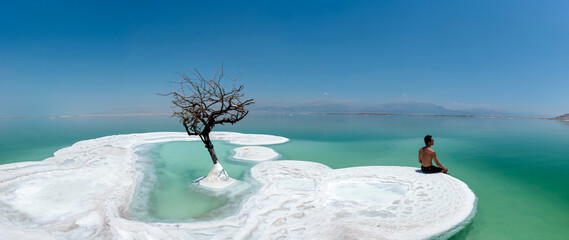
(517, 168)
(165, 194)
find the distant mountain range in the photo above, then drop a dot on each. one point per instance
(564, 117)
(387, 108)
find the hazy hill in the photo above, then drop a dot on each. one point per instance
(389, 108)
(564, 117)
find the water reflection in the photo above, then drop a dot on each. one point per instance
(563, 123)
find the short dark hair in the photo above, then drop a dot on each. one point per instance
(428, 139)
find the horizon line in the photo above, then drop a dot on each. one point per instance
(92, 115)
(321, 113)
(435, 115)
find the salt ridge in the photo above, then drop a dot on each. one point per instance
(84, 191)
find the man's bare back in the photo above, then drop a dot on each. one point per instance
(427, 155)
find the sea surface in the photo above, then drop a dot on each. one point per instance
(518, 169)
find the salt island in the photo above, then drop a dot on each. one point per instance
(84, 191)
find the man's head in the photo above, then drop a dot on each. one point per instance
(428, 139)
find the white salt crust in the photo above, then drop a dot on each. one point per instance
(309, 200)
(255, 153)
(84, 190)
(216, 179)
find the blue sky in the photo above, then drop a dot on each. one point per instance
(90, 57)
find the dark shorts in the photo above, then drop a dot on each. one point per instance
(431, 169)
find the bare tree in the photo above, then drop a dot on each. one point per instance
(202, 103)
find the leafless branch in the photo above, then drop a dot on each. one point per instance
(202, 103)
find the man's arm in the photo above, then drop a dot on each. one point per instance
(438, 163)
(420, 161)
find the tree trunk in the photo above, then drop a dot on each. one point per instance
(211, 151)
(207, 141)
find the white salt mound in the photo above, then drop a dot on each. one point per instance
(309, 200)
(84, 191)
(250, 139)
(255, 153)
(216, 179)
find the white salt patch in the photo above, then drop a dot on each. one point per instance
(84, 190)
(376, 192)
(216, 179)
(359, 203)
(255, 139)
(255, 153)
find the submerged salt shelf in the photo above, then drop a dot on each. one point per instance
(255, 153)
(83, 192)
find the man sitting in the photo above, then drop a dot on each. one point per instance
(426, 156)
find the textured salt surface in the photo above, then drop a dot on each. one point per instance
(84, 190)
(380, 202)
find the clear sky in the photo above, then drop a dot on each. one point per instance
(90, 57)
